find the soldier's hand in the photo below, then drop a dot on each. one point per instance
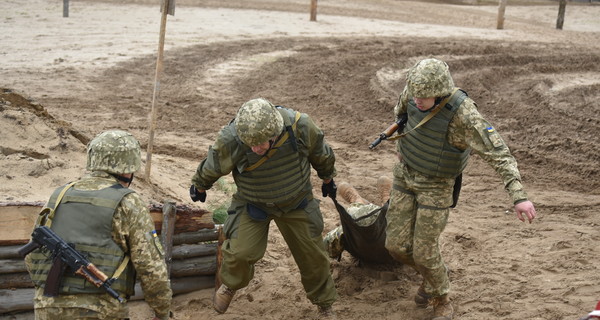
(329, 189)
(197, 195)
(527, 209)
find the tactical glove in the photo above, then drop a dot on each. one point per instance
(196, 195)
(329, 189)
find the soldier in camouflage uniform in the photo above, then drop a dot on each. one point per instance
(111, 225)
(270, 151)
(432, 156)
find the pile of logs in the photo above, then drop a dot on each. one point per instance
(190, 239)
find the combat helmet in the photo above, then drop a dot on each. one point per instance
(114, 151)
(257, 121)
(429, 78)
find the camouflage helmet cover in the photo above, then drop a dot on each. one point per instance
(429, 78)
(257, 121)
(114, 151)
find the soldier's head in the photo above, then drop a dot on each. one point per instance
(115, 152)
(258, 123)
(428, 80)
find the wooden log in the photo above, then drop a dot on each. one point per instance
(12, 266)
(186, 251)
(9, 252)
(202, 235)
(501, 11)
(168, 227)
(17, 300)
(14, 300)
(15, 280)
(17, 220)
(206, 265)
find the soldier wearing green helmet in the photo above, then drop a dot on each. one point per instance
(270, 151)
(106, 221)
(443, 129)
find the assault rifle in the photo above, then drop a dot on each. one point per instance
(396, 126)
(64, 255)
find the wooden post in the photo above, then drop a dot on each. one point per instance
(159, 67)
(168, 228)
(501, 11)
(65, 8)
(313, 10)
(219, 255)
(561, 14)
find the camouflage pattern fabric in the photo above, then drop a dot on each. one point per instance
(114, 151)
(429, 78)
(132, 231)
(226, 154)
(417, 215)
(257, 121)
(419, 204)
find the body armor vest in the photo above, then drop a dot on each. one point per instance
(426, 149)
(283, 180)
(84, 218)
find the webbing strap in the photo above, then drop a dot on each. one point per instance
(121, 267)
(428, 117)
(272, 151)
(50, 216)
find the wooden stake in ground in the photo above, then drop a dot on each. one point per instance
(561, 14)
(165, 9)
(313, 10)
(501, 11)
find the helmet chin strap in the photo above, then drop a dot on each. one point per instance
(124, 179)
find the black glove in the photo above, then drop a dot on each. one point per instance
(329, 189)
(195, 195)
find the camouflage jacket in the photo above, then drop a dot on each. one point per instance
(228, 153)
(133, 232)
(468, 129)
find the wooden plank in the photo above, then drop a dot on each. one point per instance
(17, 220)
(16, 223)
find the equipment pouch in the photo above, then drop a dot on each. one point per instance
(456, 190)
(256, 213)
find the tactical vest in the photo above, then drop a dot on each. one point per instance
(84, 218)
(283, 180)
(426, 149)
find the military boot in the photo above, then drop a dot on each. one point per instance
(350, 194)
(422, 298)
(326, 313)
(442, 309)
(384, 187)
(222, 298)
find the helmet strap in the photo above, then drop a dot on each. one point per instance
(123, 179)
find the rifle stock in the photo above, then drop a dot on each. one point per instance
(396, 126)
(65, 255)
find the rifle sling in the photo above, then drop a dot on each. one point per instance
(428, 117)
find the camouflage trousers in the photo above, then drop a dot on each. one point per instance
(416, 217)
(246, 243)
